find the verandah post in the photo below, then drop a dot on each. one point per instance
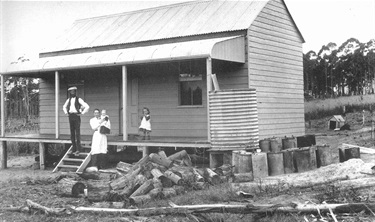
(3, 148)
(57, 101)
(209, 89)
(124, 102)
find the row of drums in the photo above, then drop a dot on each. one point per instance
(272, 144)
(262, 164)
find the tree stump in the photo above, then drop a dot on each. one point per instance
(70, 188)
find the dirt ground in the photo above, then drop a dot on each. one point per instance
(359, 134)
(21, 170)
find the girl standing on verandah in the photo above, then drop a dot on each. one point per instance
(99, 140)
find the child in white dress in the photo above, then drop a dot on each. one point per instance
(145, 127)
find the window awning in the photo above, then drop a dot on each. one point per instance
(227, 49)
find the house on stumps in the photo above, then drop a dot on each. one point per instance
(167, 59)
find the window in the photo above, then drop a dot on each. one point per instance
(191, 84)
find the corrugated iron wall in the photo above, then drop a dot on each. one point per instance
(233, 119)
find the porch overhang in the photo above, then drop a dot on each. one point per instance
(228, 49)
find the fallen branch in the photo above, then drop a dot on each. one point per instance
(46, 210)
(236, 209)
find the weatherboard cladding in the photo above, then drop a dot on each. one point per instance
(172, 21)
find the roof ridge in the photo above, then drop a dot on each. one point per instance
(147, 9)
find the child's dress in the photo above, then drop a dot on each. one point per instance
(146, 123)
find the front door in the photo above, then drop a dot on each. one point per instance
(133, 120)
(132, 107)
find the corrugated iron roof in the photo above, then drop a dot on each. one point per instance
(171, 21)
(216, 48)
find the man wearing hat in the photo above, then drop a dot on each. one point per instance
(75, 107)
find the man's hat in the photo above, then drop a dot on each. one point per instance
(72, 88)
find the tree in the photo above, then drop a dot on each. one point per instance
(20, 94)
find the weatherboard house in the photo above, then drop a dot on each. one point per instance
(214, 74)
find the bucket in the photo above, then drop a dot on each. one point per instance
(259, 165)
(275, 163)
(323, 156)
(353, 152)
(274, 145)
(289, 142)
(288, 161)
(265, 145)
(303, 160)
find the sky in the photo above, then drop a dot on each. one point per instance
(27, 26)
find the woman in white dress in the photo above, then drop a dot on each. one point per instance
(99, 141)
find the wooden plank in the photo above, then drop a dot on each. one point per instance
(260, 37)
(275, 85)
(279, 79)
(274, 34)
(275, 21)
(2, 106)
(290, 52)
(254, 62)
(274, 73)
(269, 57)
(278, 90)
(258, 24)
(262, 106)
(279, 121)
(196, 144)
(42, 152)
(3, 154)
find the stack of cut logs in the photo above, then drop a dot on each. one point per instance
(154, 176)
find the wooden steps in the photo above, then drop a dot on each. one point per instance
(74, 163)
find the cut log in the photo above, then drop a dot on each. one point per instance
(121, 182)
(197, 176)
(160, 160)
(179, 155)
(162, 154)
(141, 162)
(133, 185)
(165, 182)
(172, 176)
(182, 155)
(97, 190)
(186, 173)
(156, 193)
(144, 188)
(139, 200)
(124, 167)
(156, 173)
(157, 183)
(210, 176)
(70, 188)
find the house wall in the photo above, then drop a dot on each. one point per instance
(276, 72)
(159, 91)
(100, 90)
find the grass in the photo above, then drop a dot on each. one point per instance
(19, 127)
(316, 109)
